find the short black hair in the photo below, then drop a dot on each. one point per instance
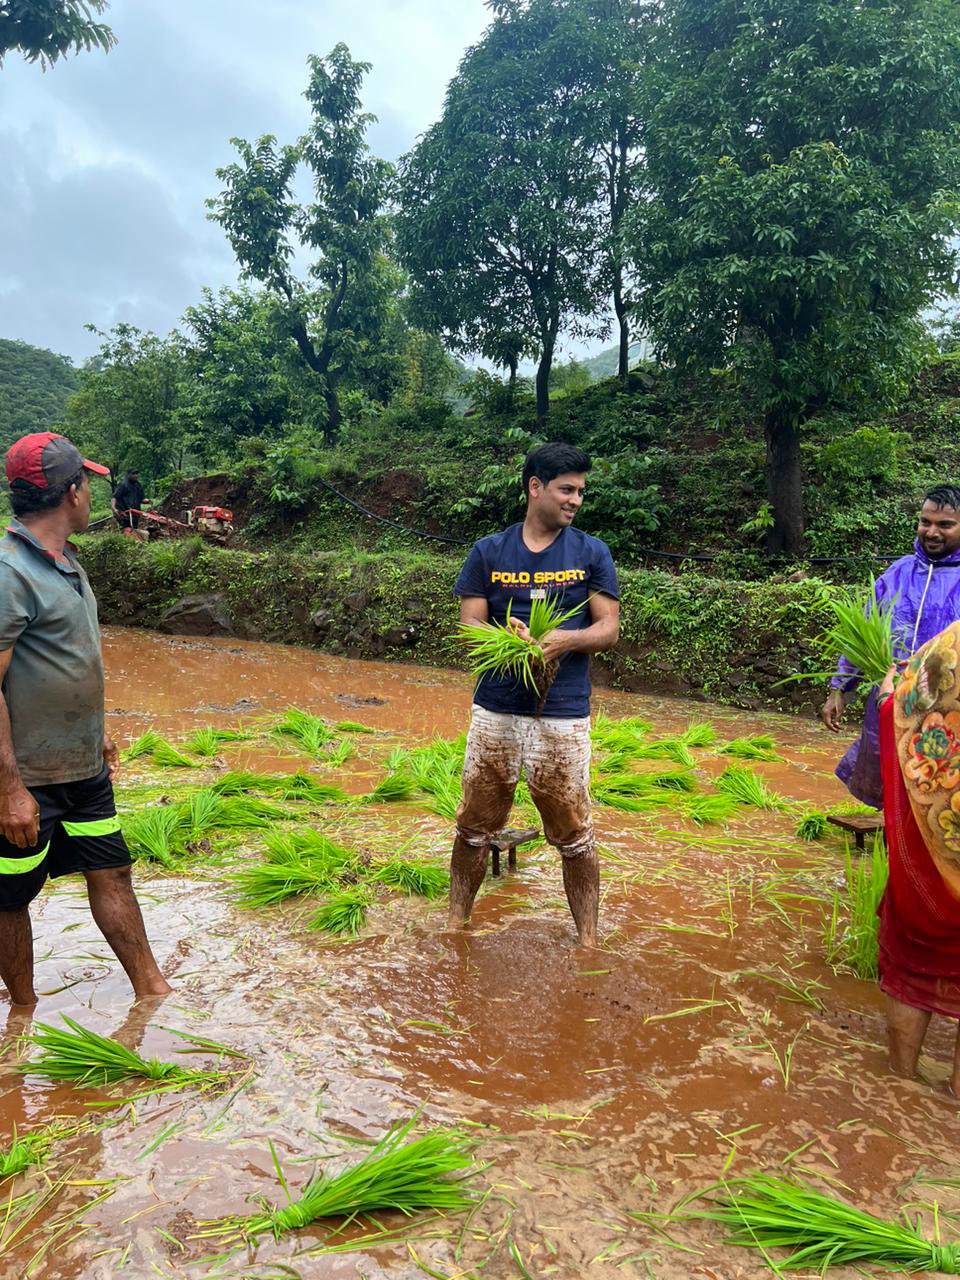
(27, 499)
(944, 495)
(132, 471)
(548, 461)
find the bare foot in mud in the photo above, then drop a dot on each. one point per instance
(154, 989)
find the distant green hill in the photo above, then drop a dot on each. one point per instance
(34, 387)
(604, 364)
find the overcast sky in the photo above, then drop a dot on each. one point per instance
(105, 160)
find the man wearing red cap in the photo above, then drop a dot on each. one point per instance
(57, 765)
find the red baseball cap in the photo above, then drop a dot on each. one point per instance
(44, 459)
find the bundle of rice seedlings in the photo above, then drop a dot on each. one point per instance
(430, 1172)
(423, 879)
(621, 738)
(764, 1212)
(812, 826)
(264, 884)
(705, 810)
(28, 1149)
(343, 912)
(701, 734)
(759, 747)
(312, 846)
(857, 945)
(495, 648)
(207, 742)
(445, 797)
(293, 786)
(392, 789)
(160, 751)
(340, 753)
(157, 834)
(667, 749)
(670, 779)
(862, 631)
(748, 788)
(308, 730)
(629, 792)
(351, 726)
(142, 746)
(238, 782)
(87, 1058)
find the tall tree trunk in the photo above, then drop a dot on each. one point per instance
(620, 307)
(784, 483)
(331, 428)
(513, 363)
(543, 380)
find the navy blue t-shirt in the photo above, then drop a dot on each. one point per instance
(504, 570)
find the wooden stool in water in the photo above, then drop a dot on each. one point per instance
(859, 825)
(506, 841)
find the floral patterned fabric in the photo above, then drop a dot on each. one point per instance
(927, 730)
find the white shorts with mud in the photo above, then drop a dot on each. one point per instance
(554, 754)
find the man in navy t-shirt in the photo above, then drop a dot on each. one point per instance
(543, 558)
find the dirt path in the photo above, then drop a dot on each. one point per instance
(708, 1033)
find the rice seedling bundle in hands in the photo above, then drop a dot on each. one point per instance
(764, 1212)
(496, 649)
(84, 1057)
(862, 631)
(429, 1172)
(748, 788)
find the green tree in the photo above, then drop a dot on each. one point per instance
(345, 228)
(500, 223)
(241, 379)
(128, 411)
(799, 164)
(45, 30)
(34, 388)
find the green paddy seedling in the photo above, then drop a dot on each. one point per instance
(430, 1172)
(748, 788)
(308, 731)
(344, 912)
(495, 648)
(422, 879)
(759, 747)
(819, 1231)
(207, 742)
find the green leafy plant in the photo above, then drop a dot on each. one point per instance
(701, 734)
(28, 1149)
(352, 726)
(706, 810)
(764, 1212)
(392, 789)
(156, 834)
(160, 751)
(812, 826)
(207, 742)
(264, 884)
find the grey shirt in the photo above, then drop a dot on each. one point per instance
(54, 684)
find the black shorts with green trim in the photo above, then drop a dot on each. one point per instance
(79, 831)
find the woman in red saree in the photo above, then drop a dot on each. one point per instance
(920, 912)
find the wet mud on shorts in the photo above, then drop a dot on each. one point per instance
(79, 831)
(554, 754)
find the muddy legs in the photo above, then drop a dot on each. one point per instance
(906, 1028)
(581, 881)
(16, 956)
(468, 866)
(116, 911)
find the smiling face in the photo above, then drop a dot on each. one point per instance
(938, 530)
(557, 502)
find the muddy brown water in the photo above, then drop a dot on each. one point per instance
(597, 1084)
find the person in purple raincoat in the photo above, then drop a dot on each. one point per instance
(925, 589)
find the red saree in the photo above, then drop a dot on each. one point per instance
(919, 915)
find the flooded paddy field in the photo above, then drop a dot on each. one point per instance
(708, 1036)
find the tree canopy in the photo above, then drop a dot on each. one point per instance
(45, 30)
(800, 168)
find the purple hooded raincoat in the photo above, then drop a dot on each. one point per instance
(927, 600)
